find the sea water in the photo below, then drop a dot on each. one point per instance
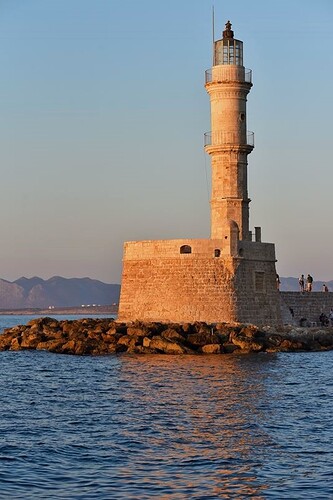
(166, 427)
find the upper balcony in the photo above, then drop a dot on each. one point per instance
(221, 138)
(220, 74)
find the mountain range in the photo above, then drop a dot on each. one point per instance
(57, 291)
(291, 285)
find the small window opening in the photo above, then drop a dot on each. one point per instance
(185, 249)
(259, 281)
(217, 252)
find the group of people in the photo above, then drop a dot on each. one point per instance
(306, 284)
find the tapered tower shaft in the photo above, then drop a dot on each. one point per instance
(228, 143)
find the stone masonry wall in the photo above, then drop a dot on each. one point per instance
(182, 289)
(160, 284)
(257, 295)
(305, 305)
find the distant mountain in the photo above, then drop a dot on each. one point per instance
(57, 291)
(291, 285)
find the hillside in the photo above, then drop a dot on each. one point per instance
(291, 285)
(57, 291)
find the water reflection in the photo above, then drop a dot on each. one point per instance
(198, 413)
(167, 427)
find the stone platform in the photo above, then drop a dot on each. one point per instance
(207, 280)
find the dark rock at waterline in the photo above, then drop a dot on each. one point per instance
(106, 336)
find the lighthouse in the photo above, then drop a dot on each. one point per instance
(229, 143)
(227, 277)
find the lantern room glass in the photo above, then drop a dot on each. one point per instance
(228, 51)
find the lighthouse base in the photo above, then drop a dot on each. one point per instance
(184, 281)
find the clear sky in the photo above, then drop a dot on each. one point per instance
(102, 115)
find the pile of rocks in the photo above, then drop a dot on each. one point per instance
(106, 336)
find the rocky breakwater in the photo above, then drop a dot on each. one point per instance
(106, 336)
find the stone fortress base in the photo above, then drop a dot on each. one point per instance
(187, 280)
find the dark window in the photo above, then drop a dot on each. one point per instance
(259, 281)
(185, 249)
(217, 252)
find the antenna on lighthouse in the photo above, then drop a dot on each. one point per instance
(213, 33)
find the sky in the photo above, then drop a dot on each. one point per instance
(102, 115)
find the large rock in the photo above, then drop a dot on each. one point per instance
(30, 340)
(199, 339)
(173, 335)
(127, 341)
(15, 345)
(55, 345)
(166, 346)
(211, 349)
(146, 342)
(246, 343)
(229, 348)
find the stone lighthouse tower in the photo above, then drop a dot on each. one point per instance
(229, 143)
(228, 277)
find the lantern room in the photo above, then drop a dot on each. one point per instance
(228, 50)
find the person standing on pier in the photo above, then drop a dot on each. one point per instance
(309, 281)
(301, 282)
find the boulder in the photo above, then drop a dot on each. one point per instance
(69, 347)
(273, 340)
(68, 327)
(146, 342)
(247, 344)
(81, 348)
(325, 339)
(111, 339)
(291, 345)
(229, 348)
(126, 341)
(60, 335)
(197, 340)
(251, 332)
(137, 331)
(54, 345)
(172, 334)
(139, 349)
(211, 349)
(166, 346)
(15, 345)
(30, 340)
(187, 328)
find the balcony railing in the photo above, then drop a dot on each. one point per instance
(209, 76)
(227, 139)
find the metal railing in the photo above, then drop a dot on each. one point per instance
(227, 138)
(247, 76)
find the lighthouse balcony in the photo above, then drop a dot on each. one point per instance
(221, 138)
(230, 73)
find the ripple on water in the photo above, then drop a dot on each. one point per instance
(137, 427)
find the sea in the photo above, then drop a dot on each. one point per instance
(167, 427)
